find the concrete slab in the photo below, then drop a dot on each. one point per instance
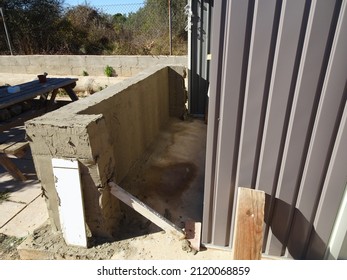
(24, 223)
(8, 209)
(26, 194)
(22, 210)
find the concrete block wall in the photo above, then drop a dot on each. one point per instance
(94, 65)
(107, 133)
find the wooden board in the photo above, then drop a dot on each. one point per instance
(71, 210)
(249, 221)
(193, 233)
(145, 211)
(11, 168)
(32, 89)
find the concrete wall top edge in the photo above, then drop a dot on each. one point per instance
(101, 56)
(76, 113)
(64, 119)
(109, 92)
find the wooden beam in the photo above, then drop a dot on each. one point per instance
(193, 233)
(11, 168)
(70, 92)
(249, 221)
(145, 210)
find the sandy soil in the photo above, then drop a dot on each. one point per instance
(44, 244)
(8, 247)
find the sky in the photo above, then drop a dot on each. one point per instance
(111, 6)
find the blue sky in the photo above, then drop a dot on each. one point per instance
(111, 6)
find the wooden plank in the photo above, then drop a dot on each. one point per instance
(145, 211)
(52, 99)
(249, 221)
(32, 89)
(14, 143)
(71, 210)
(17, 149)
(11, 168)
(70, 92)
(12, 135)
(25, 116)
(193, 233)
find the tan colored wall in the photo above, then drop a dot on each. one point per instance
(107, 132)
(123, 65)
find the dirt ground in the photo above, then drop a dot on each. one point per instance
(8, 247)
(44, 244)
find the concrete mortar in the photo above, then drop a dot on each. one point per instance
(107, 133)
(94, 65)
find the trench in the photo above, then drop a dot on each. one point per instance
(169, 179)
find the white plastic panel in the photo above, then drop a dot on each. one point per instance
(71, 211)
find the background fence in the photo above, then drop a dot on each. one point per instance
(145, 28)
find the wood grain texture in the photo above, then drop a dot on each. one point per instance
(249, 221)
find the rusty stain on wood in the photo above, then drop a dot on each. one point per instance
(249, 221)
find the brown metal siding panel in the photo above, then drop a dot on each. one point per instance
(254, 95)
(303, 109)
(217, 37)
(332, 193)
(230, 97)
(324, 132)
(334, 95)
(277, 99)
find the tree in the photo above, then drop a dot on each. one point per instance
(32, 24)
(150, 24)
(93, 30)
(46, 27)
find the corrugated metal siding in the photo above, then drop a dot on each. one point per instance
(200, 19)
(277, 96)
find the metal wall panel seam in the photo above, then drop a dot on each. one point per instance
(217, 49)
(340, 160)
(326, 123)
(305, 104)
(278, 103)
(230, 91)
(329, 118)
(243, 82)
(254, 92)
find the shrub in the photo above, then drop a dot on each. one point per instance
(109, 71)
